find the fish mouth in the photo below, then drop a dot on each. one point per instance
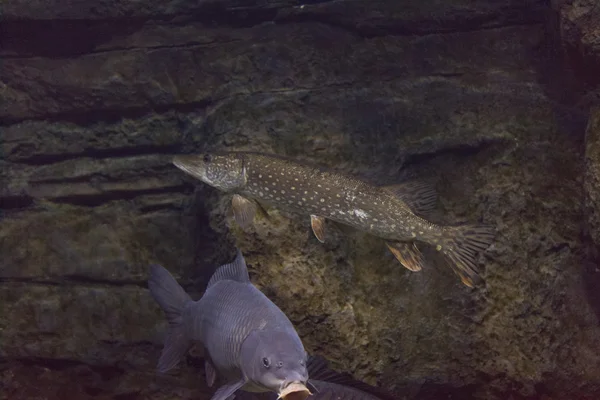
(190, 164)
(294, 391)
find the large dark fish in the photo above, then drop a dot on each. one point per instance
(248, 340)
(332, 385)
(388, 212)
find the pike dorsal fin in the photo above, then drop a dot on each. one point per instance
(234, 271)
(419, 195)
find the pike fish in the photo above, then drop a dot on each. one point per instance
(394, 213)
(247, 339)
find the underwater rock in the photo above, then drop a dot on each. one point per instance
(580, 33)
(592, 177)
(97, 98)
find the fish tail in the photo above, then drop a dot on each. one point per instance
(462, 245)
(172, 299)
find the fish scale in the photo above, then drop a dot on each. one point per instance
(395, 213)
(332, 196)
(228, 313)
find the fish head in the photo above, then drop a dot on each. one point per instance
(224, 171)
(276, 361)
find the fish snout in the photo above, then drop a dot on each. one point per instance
(294, 376)
(293, 390)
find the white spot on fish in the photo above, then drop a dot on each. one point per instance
(282, 191)
(260, 175)
(322, 200)
(360, 213)
(299, 203)
(319, 186)
(438, 247)
(293, 187)
(260, 193)
(277, 198)
(413, 234)
(338, 195)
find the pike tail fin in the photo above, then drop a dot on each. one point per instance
(172, 299)
(462, 245)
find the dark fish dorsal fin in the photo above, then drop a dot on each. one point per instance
(234, 271)
(318, 370)
(419, 195)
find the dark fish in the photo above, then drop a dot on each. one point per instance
(331, 385)
(248, 340)
(389, 212)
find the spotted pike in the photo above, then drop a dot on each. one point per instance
(393, 213)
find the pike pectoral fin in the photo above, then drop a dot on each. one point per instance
(227, 390)
(243, 210)
(211, 374)
(408, 254)
(318, 227)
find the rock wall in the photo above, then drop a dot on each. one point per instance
(97, 97)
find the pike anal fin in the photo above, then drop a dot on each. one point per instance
(408, 254)
(318, 227)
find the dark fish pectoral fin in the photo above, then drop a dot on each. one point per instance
(462, 245)
(209, 370)
(419, 195)
(225, 391)
(408, 254)
(318, 227)
(244, 210)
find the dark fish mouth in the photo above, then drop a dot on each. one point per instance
(294, 391)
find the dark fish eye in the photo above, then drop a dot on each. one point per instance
(207, 158)
(280, 364)
(266, 362)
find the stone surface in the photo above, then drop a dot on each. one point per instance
(592, 180)
(98, 97)
(580, 33)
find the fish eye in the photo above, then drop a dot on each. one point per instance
(207, 158)
(266, 362)
(280, 364)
